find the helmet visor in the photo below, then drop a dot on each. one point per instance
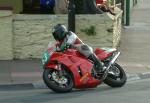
(55, 36)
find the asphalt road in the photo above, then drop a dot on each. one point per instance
(133, 92)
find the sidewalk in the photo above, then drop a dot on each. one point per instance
(20, 71)
(134, 47)
(135, 42)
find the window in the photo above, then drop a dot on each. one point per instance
(38, 6)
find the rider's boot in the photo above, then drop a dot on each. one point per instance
(99, 68)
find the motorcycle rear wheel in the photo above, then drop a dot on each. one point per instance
(54, 85)
(116, 81)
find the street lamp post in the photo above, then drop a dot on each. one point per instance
(71, 16)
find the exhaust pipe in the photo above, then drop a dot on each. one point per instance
(109, 65)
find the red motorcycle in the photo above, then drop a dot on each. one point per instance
(66, 70)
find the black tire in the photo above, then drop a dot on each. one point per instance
(55, 86)
(112, 81)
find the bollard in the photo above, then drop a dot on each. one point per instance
(127, 12)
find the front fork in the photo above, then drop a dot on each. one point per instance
(60, 70)
(112, 61)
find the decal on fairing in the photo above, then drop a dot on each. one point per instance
(109, 49)
(46, 57)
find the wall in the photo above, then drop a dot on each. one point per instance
(6, 2)
(31, 35)
(16, 4)
(6, 48)
(27, 36)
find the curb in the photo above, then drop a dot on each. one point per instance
(25, 86)
(139, 76)
(41, 84)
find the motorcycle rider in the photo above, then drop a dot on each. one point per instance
(67, 38)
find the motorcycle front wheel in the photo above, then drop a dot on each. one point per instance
(116, 76)
(57, 83)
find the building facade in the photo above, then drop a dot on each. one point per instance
(15, 5)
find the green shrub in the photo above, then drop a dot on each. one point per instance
(89, 31)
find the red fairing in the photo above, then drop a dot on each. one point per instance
(102, 54)
(75, 63)
(51, 66)
(83, 80)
